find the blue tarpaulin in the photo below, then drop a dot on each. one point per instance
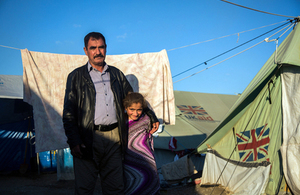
(13, 141)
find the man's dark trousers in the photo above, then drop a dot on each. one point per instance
(107, 163)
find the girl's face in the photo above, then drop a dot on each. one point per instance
(134, 111)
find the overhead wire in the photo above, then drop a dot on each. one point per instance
(218, 62)
(235, 54)
(258, 10)
(205, 62)
(225, 36)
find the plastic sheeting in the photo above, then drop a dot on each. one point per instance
(241, 178)
(65, 169)
(11, 86)
(290, 149)
(15, 149)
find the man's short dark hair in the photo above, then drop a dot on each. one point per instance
(95, 35)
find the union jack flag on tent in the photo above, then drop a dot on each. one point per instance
(253, 144)
(196, 110)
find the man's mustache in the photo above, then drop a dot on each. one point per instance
(100, 55)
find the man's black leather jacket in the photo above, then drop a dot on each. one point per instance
(79, 107)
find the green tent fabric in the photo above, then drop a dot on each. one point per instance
(197, 115)
(253, 130)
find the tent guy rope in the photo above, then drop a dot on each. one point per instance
(229, 51)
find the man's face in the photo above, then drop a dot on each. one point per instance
(96, 51)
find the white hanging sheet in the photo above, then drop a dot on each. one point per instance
(45, 77)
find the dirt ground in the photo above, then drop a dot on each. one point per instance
(47, 184)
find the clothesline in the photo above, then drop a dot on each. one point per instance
(203, 42)
(193, 43)
(9, 47)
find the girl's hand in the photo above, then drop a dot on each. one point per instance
(155, 127)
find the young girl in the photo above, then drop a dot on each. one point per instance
(140, 170)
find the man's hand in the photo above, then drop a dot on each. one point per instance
(76, 152)
(155, 127)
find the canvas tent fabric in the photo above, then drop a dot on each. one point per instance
(290, 148)
(45, 77)
(263, 124)
(248, 178)
(197, 115)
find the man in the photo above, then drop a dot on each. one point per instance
(94, 122)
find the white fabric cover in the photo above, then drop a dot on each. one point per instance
(239, 180)
(290, 149)
(11, 86)
(45, 75)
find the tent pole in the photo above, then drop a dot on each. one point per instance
(38, 162)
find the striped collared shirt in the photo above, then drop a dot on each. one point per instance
(105, 112)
